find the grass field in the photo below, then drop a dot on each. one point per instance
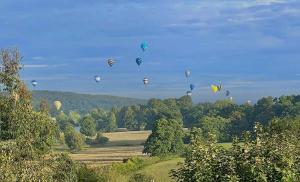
(161, 171)
(121, 145)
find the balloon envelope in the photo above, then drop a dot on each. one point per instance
(187, 73)
(192, 86)
(97, 78)
(227, 93)
(146, 81)
(144, 46)
(110, 62)
(214, 88)
(138, 61)
(57, 104)
(34, 83)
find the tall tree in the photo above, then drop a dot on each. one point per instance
(88, 126)
(112, 121)
(165, 139)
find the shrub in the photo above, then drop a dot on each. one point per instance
(100, 139)
(74, 140)
(269, 157)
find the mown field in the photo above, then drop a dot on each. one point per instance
(121, 145)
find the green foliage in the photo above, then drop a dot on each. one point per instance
(217, 126)
(165, 139)
(62, 120)
(269, 157)
(88, 126)
(87, 174)
(74, 117)
(73, 139)
(111, 121)
(100, 139)
(100, 117)
(82, 103)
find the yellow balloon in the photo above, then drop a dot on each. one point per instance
(57, 104)
(214, 88)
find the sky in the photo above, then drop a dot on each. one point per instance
(251, 47)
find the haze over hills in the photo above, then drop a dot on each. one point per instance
(82, 102)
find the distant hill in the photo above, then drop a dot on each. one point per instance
(83, 103)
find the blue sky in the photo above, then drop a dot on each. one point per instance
(252, 47)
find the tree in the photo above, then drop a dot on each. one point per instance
(112, 121)
(263, 110)
(217, 126)
(74, 117)
(166, 138)
(26, 135)
(185, 104)
(129, 119)
(88, 126)
(62, 120)
(268, 157)
(73, 139)
(100, 117)
(44, 106)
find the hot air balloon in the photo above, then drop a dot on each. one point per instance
(34, 83)
(97, 78)
(192, 86)
(146, 81)
(144, 46)
(110, 62)
(214, 88)
(187, 73)
(138, 61)
(57, 104)
(227, 93)
(189, 93)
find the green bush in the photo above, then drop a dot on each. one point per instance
(74, 139)
(86, 174)
(100, 139)
(268, 157)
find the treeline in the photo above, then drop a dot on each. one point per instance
(223, 118)
(82, 103)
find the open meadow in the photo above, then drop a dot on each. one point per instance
(121, 145)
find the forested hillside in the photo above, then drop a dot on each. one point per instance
(83, 103)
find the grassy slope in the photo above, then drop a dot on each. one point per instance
(161, 171)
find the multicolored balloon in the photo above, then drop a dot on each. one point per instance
(110, 62)
(146, 81)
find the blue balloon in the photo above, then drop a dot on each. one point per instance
(138, 61)
(144, 46)
(192, 86)
(34, 83)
